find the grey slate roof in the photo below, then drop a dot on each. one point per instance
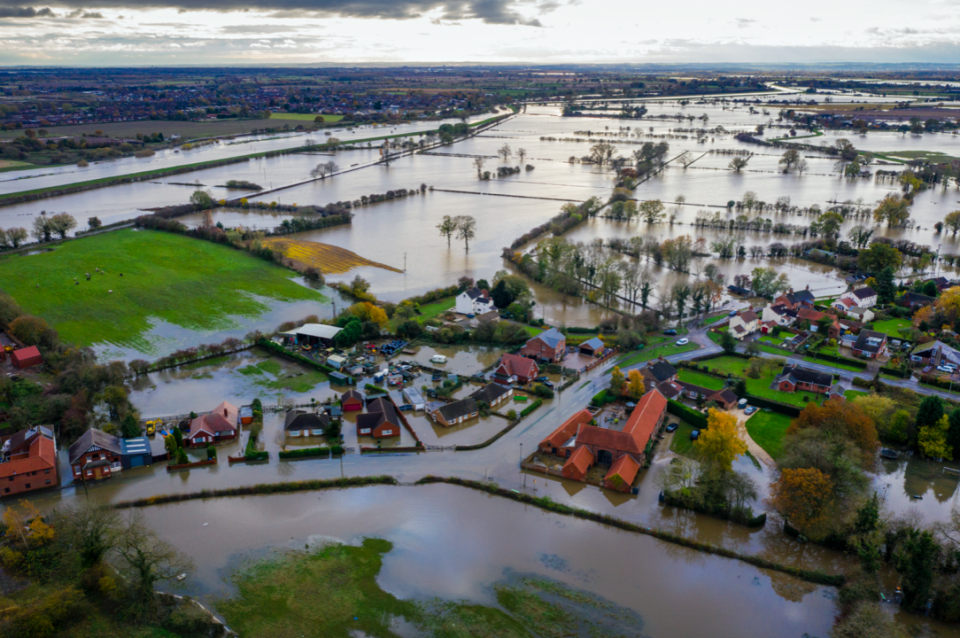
(457, 409)
(864, 293)
(661, 370)
(796, 374)
(489, 393)
(595, 344)
(93, 438)
(551, 337)
(869, 341)
(299, 420)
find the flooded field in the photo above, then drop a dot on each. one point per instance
(454, 544)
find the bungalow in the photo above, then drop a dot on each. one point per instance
(795, 378)
(592, 347)
(314, 335)
(915, 301)
(795, 300)
(725, 398)
(865, 297)
(561, 441)
(95, 445)
(870, 344)
(26, 357)
(493, 394)
(456, 412)
(550, 345)
(779, 314)
(474, 302)
(658, 371)
(381, 420)
(351, 401)
(217, 426)
(744, 324)
(838, 391)
(303, 423)
(813, 317)
(28, 462)
(606, 447)
(514, 368)
(935, 353)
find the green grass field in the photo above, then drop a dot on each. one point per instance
(681, 443)
(186, 130)
(891, 327)
(700, 379)
(170, 278)
(649, 353)
(768, 430)
(712, 320)
(760, 387)
(305, 117)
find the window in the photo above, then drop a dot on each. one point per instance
(6, 490)
(46, 471)
(89, 472)
(27, 486)
(388, 433)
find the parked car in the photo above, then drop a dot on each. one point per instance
(670, 332)
(547, 383)
(671, 427)
(733, 313)
(750, 410)
(946, 369)
(695, 435)
(541, 379)
(682, 342)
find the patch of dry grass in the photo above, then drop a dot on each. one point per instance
(331, 260)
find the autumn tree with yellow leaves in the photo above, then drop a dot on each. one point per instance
(635, 385)
(720, 443)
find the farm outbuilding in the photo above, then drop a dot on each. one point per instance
(26, 357)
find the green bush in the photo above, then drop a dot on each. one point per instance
(211, 452)
(694, 418)
(530, 408)
(306, 452)
(374, 389)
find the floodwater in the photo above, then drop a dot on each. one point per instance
(918, 487)
(456, 544)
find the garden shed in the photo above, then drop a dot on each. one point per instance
(26, 357)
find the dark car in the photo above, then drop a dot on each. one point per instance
(547, 383)
(671, 427)
(695, 435)
(542, 379)
(670, 331)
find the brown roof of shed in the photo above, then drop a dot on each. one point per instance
(568, 429)
(581, 459)
(625, 467)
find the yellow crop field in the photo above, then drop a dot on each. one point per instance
(331, 260)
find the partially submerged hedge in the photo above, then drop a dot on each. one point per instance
(813, 576)
(261, 488)
(530, 408)
(307, 452)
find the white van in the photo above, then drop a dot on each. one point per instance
(438, 358)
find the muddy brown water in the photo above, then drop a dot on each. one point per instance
(456, 544)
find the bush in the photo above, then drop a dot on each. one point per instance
(541, 390)
(776, 406)
(602, 398)
(694, 418)
(511, 415)
(211, 452)
(844, 360)
(530, 408)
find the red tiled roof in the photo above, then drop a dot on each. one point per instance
(26, 354)
(42, 456)
(581, 459)
(810, 315)
(567, 430)
(517, 365)
(748, 316)
(626, 467)
(222, 418)
(645, 417)
(607, 439)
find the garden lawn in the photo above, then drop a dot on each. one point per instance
(891, 327)
(832, 364)
(760, 387)
(170, 278)
(767, 429)
(712, 320)
(649, 353)
(681, 443)
(700, 379)
(533, 331)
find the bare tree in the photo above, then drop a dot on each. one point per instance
(466, 229)
(505, 152)
(521, 155)
(145, 558)
(478, 162)
(280, 438)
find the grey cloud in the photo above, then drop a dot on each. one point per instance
(743, 23)
(25, 12)
(489, 11)
(80, 13)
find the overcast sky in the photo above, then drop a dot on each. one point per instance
(172, 32)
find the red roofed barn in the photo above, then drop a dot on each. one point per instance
(26, 357)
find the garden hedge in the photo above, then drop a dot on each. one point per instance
(776, 406)
(694, 418)
(835, 359)
(530, 408)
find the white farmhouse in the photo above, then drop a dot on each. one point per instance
(474, 302)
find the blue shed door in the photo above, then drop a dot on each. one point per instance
(136, 461)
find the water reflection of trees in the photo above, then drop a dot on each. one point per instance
(790, 588)
(921, 476)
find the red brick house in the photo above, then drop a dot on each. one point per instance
(607, 447)
(95, 445)
(381, 421)
(515, 367)
(579, 463)
(557, 442)
(26, 357)
(218, 426)
(795, 378)
(351, 401)
(29, 462)
(870, 344)
(550, 345)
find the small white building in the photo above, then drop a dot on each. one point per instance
(779, 314)
(743, 324)
(474, 302)
(865, 297)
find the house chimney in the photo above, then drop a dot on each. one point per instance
(225, 412)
